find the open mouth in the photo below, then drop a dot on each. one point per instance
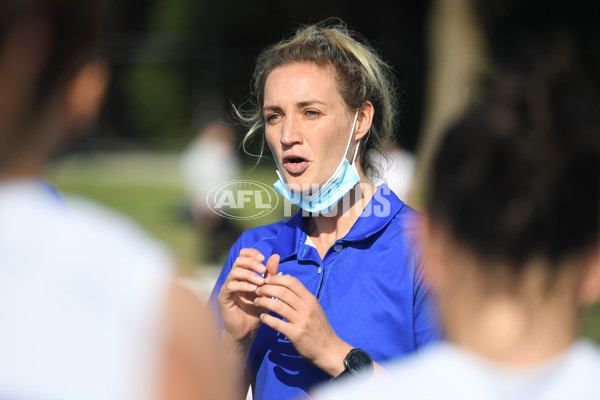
(295, 164)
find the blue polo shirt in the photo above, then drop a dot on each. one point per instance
(369, 285)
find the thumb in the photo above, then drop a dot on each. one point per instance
(273, 265)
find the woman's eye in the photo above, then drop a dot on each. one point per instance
(312, 113)
(271, 118)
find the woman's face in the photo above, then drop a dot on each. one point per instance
(307, 124)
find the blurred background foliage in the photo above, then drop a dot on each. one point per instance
(179, 63)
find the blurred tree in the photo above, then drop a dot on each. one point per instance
(456, 57)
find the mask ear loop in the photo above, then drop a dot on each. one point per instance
(352, 136)
(358, 144)
(355, 152)
(281, 178)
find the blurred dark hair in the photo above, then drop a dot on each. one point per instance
(518, 175)
(76, 30)
(523, 35)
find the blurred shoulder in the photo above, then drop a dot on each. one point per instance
(447, 371)
(407, 377)
(102, 225)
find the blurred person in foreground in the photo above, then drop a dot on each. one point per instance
(89, 308)
(511, 237)
(336, 289)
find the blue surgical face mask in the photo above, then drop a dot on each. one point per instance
(321, 199)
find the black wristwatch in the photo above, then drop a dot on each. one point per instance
(358, 363)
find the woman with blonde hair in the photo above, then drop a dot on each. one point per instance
(337, 289)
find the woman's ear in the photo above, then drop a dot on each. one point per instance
(85, 94)
(364, 119)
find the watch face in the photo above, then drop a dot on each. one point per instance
(359, 363)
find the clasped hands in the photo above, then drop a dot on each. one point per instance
(247, 297)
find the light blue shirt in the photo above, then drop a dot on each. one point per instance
(369, 285)
(450, 372)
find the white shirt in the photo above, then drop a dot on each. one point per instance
(445, 371)
(207, 163)
(82, 294)
(397, 170)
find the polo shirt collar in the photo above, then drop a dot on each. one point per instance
(382, 208)
(291, 236)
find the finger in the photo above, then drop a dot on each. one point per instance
(253, 253)
(273, 265)
(239, 286)
(277, 306)
(247, 297)
(280, 292)
(278, 324)
(290, 282)
(249, 263)
(239, 274)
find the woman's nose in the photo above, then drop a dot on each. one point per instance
(290, 132)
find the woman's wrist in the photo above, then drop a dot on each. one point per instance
(235, 356)
(240, 347)
(332, 361)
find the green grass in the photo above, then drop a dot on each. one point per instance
(590, 324)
